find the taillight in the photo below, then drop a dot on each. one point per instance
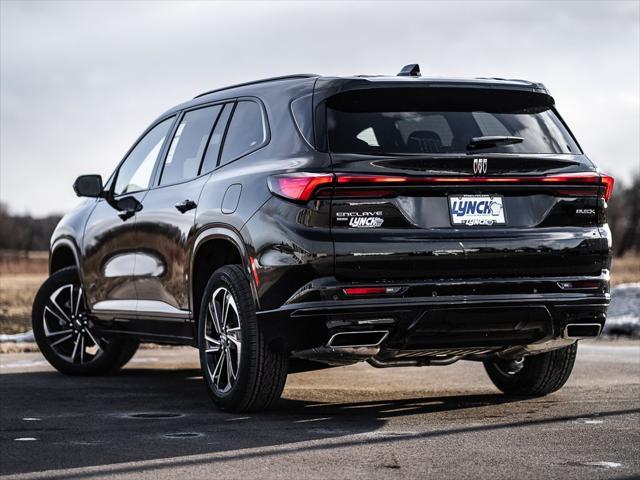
(345, 178)
(298, 186)
(608, 186)
(301, 186)
(368, 186)
(583, 179)
(590, 180)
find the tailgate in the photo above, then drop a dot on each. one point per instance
(423, 228)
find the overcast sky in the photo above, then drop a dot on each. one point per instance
(80, 81)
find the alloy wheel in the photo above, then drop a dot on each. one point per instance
(223, 341)
(68, 329)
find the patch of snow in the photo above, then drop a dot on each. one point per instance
(25, 363)
(25, 337)
(623, 317)
(603, 464)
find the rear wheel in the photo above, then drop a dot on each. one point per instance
(66, 335)
(241, 372)
(536, 375)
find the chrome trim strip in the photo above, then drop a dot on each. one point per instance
(154, 306)
(150, 307)
(115, 305)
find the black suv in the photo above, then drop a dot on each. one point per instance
(302, 222)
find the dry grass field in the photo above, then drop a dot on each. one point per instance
(22, 274)
(626, 269)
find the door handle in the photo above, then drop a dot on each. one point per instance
(185, 206)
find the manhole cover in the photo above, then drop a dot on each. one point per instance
(183, 435)
(151, 415)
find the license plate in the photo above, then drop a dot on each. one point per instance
(476, 210)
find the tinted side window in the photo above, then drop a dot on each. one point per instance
(213, 149)
(135, 172)
(247, 131)
(188, 145)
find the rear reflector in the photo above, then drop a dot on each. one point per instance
(370, 290)
(298, 186)
(254, 270)
(579, 285)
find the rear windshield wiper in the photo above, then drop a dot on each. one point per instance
(492, 141)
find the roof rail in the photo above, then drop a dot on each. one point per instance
(507, 80)
(264, 80)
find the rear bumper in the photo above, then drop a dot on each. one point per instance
(479, 313)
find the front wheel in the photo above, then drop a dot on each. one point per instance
(536, 375)
(240, 371)
(65, 333)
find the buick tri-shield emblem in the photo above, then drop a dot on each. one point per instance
(479, 166)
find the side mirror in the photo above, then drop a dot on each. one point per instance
(127, 207)
(88, 186)
(129, 203)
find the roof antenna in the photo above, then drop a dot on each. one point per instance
(411, 70)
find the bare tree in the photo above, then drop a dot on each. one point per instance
(624, 217)
(25, 232)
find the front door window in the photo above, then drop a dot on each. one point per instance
(135, 172)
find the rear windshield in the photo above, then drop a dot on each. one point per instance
(436, 121)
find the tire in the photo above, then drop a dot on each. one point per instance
(65, 333)
(533, 376)
(257, 374)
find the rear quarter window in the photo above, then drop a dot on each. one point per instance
(301, 110)
(246, 133)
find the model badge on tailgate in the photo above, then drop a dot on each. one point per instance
(361, 219)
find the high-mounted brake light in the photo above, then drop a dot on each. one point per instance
(298, 186)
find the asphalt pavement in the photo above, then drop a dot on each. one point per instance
(154, 421)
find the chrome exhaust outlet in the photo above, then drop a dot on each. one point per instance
(363, 338)
(346, 348)
(581, 330)
(337, 356)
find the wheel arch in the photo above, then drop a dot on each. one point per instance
(213, 248)
(64, 253)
